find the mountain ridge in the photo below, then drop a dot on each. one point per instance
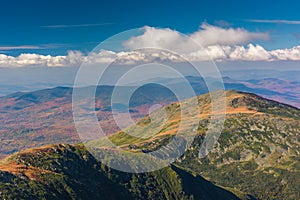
(259, 144)
(38, 169)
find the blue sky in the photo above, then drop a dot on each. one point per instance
(40, 40)
(58, 26)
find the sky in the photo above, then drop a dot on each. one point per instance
(61, 33)
(57, 26)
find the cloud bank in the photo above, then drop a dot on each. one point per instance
(219, 43)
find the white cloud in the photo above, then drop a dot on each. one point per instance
(215, 52)
(218, 53)
(207, 35)
(276, 21)
(212, 35)
(159, 38)
(286, 54)
(102, 57)
(221, 44)
(251, 53)
(19, 47)
(218, 42)
(73, 58)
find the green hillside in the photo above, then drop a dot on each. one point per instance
(256, 157)
(257, 153)
(70, 172)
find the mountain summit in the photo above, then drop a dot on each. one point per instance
(256, 157)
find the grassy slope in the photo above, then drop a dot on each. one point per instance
(257, 153)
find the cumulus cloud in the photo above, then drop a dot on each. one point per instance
(218, 53)
(212, 35)
(73, 58)
(286, 54)
(206, 35)
(159, 38)
(218, 43)
(250, 53)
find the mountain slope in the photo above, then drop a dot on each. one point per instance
(70, 172)
(257, 155)
(258, 152)
(32, 119)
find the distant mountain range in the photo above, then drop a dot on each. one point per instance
(45, 117)
(284, 87)
(256, 157)
(272, 88)
(31, 119)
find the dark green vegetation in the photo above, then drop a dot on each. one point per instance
(257, 153)
(70, 172)
(256, 157)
